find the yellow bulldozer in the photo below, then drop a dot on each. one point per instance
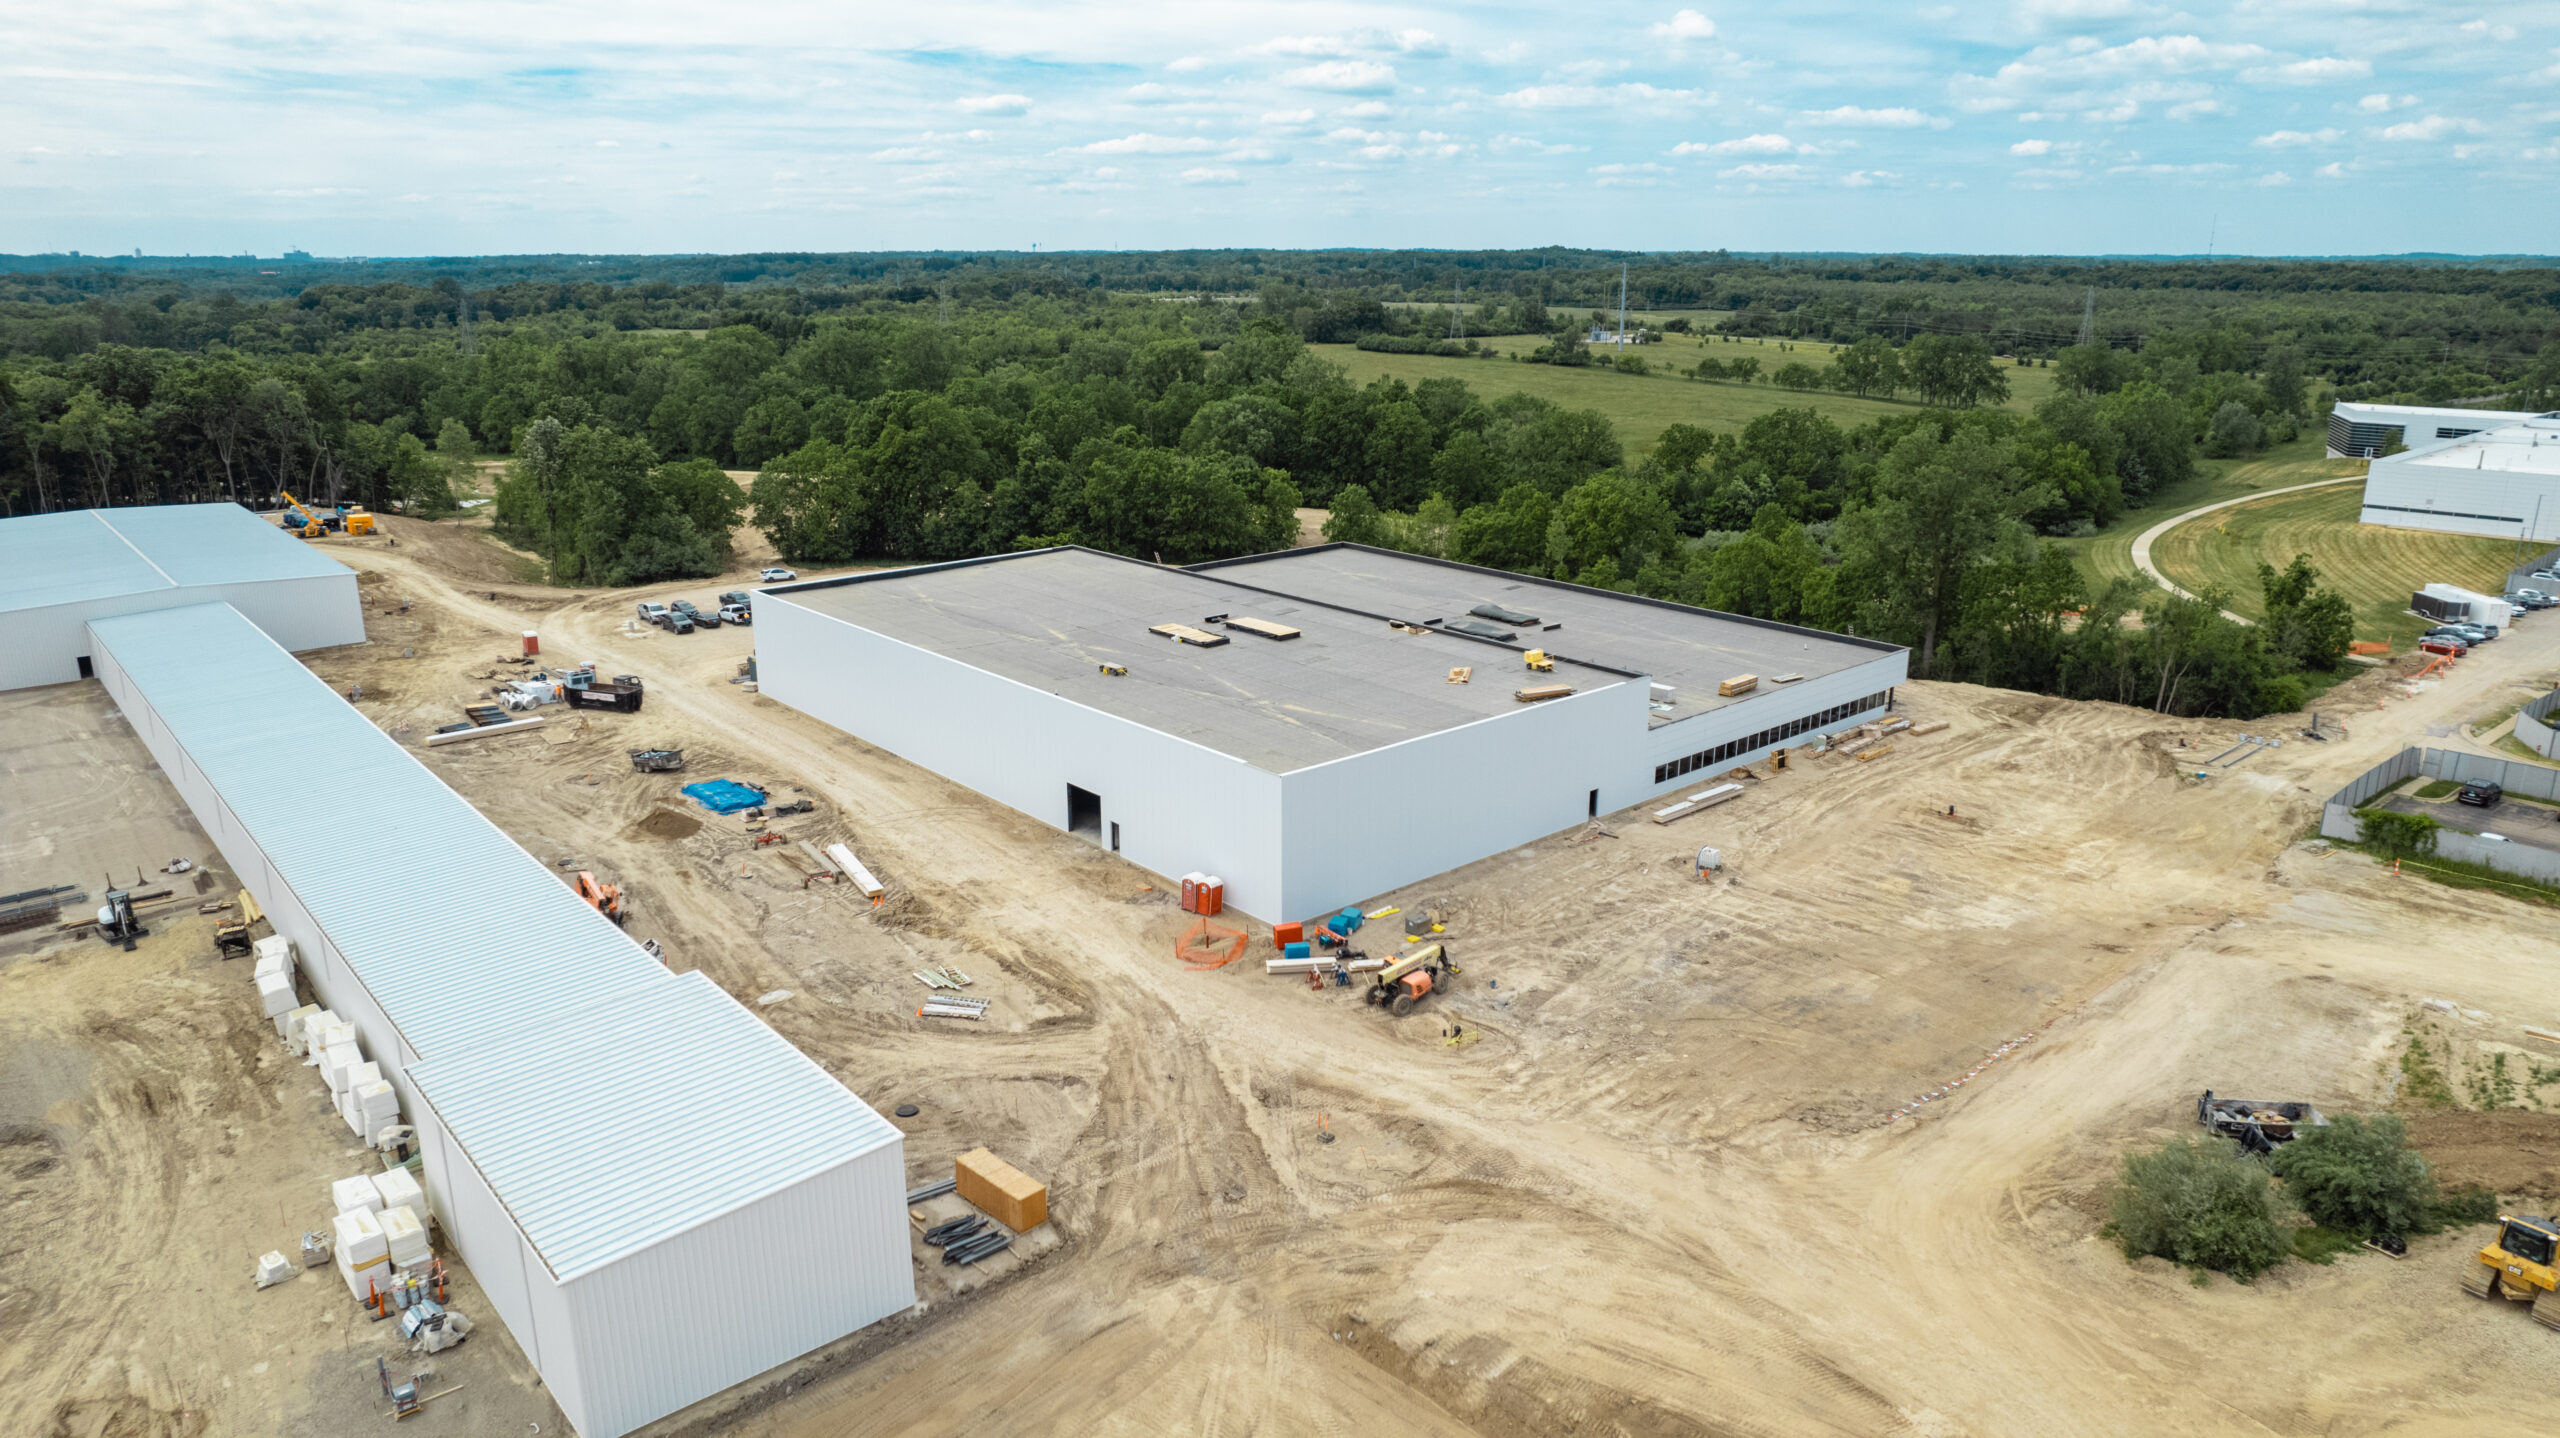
(2519, 1266)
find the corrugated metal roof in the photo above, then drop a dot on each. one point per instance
(658, 1109)
(454, 929)
(61, 558)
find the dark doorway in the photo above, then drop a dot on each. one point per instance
(1084, 813)
(85, 671)
(1595, 803)
(1115, 836)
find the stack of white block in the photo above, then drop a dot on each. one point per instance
(274, 977)
(381, 1230)
(364, 1256)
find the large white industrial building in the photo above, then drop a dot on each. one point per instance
(660, 1196)
(2501, 480)
(59, 571)
(2359, 429)
(1323, 754)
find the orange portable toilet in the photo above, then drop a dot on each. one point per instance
(1213, 895)
(1283, 935)
(532, 642)
(1191, 892)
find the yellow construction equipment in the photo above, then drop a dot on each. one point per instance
(2519, 1266)
(1541, 661)
(359, 521)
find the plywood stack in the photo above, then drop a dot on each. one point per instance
(1932, 727)
(1738, 684)
(1012, 1197)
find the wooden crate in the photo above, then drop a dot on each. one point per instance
(1007, 1194)
(1738, 684)
(1263, 627)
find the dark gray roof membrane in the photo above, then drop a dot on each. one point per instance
(1502, 615)
(1481, 631)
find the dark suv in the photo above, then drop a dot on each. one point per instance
(2481, 796)
(685, 608)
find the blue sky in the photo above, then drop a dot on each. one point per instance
(2073, 126)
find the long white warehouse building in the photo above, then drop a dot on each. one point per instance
(59, 571)
(1308, 739)
(660, 1195)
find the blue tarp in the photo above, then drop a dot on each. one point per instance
(724, 796)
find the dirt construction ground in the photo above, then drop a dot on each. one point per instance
(1663, 1191)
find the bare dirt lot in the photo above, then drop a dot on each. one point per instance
(1663, 1191)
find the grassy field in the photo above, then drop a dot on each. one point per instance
(2373, 566)
(2108, 554)
(1643, 406)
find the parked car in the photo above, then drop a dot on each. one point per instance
(685, 608)
(738, 597)
(652, 613)
(776, 575)
(2445, 645)
(737, 614)
(2531, 599)
(2481, 796)
(2467, 633)
(676, 623)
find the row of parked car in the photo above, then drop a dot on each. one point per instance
(735, 607)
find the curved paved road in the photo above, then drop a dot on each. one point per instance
(2142, 542)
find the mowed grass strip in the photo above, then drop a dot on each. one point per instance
(2108, 554)
(2374, 566)
(1643, 406)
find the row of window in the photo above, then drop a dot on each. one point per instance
(1710, 758)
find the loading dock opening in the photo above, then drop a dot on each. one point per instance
(1084, 813)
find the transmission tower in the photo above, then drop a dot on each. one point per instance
(2089, 317)
(1622, 306)
(1457, 298)
(464, 315)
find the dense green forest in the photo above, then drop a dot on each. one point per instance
(934, 406)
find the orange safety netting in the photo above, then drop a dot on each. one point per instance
(1209, 946)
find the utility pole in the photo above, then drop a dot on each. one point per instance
(1457, 298)
(1622, 306)
(464, 315)
(2089, 317)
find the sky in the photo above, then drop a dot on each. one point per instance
(2030, 126)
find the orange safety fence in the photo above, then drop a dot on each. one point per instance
(2369, 646)
(1209, 946)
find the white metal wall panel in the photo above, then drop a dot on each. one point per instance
(2497, 503)
(46, 643)
(1179, 806)
(759, 1286)
(1367, 823)
(1775, 707)
(478, 1227)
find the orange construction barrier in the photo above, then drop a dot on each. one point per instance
(1209, 946)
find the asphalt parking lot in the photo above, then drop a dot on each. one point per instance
(2514, 820)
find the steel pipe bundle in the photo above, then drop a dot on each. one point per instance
(981, 1246)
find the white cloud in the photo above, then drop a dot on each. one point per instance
(1747, 145)
(1351, 77)
(2212, 167)
(2334, 170)
(2324, 70)
(2484, 28)
(1762, 172)
(996, 105)
(1367, 110)
(906, 155)
(1146, 144)
(2195, 109)
(2272, 179)
(1576, 97)
(1305, 45)
(1187, 64)
(1869, 179)
(1532, 145)
(1254, 155)
(2043, 178)
(2285, 139)
(1288, 117)
(2032, 147)
(1900, 117)
(2108, 82)
(2072, 10)
(2385, 104)
(1645, 168)
(1420, 42)
(1210, 175)
(2434, 127)
(1685, 25)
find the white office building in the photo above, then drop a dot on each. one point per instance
(2501, 481)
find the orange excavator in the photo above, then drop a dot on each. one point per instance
(606, 898)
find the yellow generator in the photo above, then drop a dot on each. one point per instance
(359, 521)
(2519, 1266)
(1541, 661)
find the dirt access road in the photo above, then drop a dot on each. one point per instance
(1660, 1193)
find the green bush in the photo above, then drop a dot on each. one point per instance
(2394, 835)
(2463, 1206)
(2359, 1176)
(2199, 1202)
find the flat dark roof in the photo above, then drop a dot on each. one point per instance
(1691, 649)
(1051, 618)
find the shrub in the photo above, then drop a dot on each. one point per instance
(2394, 835)
(2358, 1176)
(2199, 1202)
(2463, 1206)
(2235, 430)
